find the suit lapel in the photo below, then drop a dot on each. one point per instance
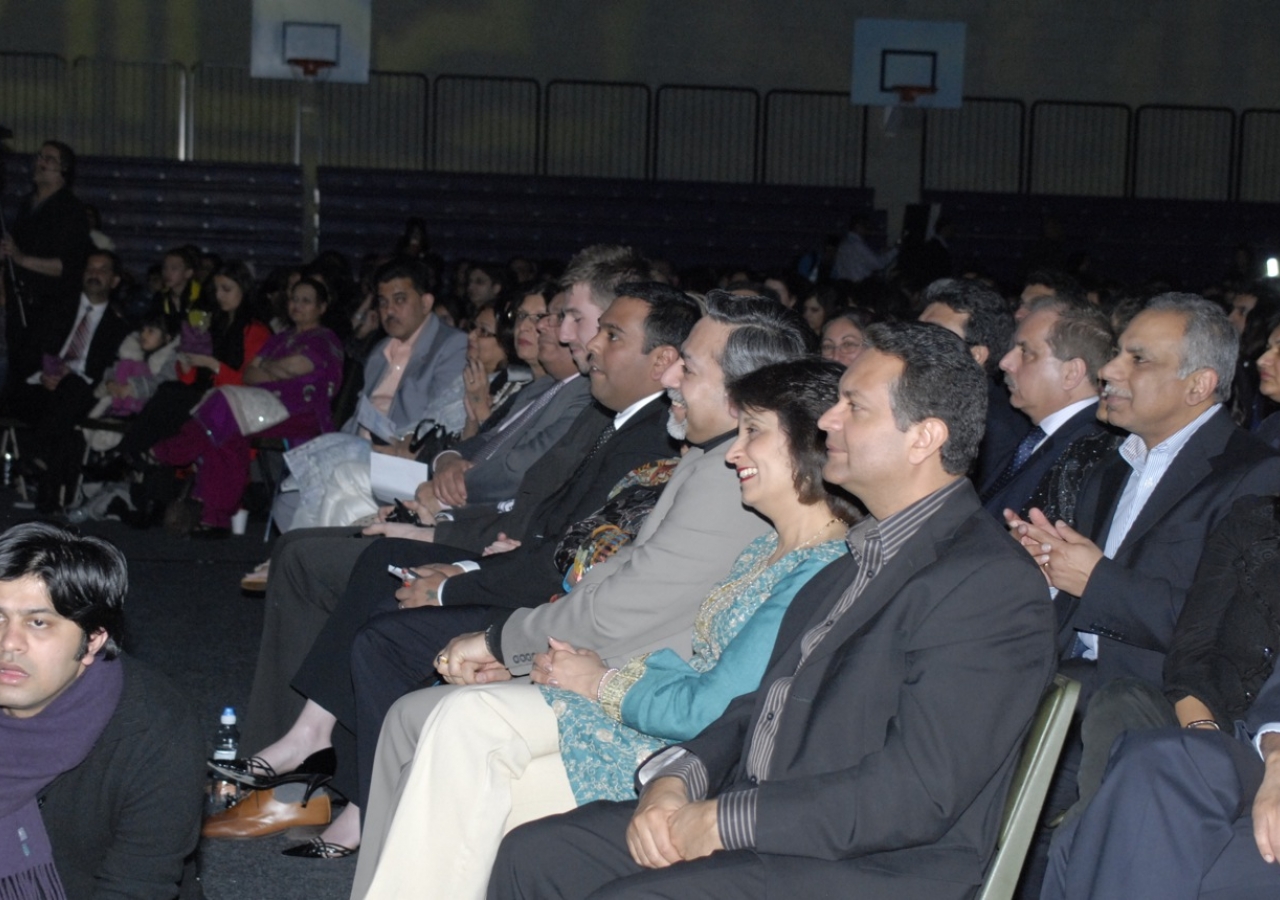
(1191, 466)
(919, 552)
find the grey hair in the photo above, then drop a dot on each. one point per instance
(764, 332)
(1208, 342)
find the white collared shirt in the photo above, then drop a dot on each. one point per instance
(1149, 466)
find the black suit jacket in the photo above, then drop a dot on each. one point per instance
(897, 745)
(104, 346)
(527, 575)
(1018, 491)
(1005, 429)
(1133, 600)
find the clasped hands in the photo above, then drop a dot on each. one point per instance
(667, 828)
(565, 666)
(1065, 556)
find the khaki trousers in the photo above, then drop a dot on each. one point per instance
(454, 772)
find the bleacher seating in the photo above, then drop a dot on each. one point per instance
(250, 212)
(499, 216)
(1130, 239)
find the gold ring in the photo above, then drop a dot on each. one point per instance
(441, 659)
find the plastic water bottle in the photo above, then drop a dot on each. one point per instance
(226, 741)
(221, 794)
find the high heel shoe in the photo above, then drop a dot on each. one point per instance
(315, 771)
(316, 848)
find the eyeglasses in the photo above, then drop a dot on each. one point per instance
(521, 317)
(848, 345)
(484, 332)
(49, 158)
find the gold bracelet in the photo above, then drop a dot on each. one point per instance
(1203, 723)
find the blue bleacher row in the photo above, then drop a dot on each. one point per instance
(254, 212)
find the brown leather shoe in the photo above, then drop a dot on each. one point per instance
(260, 814)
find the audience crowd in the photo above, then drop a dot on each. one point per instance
(599, 578)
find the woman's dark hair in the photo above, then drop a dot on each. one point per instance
(798, 392)
(503, 330)
(828, 297)
(322, 292)
(86, 577)
(227, 329)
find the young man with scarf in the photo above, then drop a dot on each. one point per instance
(102, 763)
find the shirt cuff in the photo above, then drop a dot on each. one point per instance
(1269, 728)
(468, 565)
(736, 819)
(676, 762)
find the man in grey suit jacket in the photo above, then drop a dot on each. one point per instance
(429, 381)
(1182, 813)
(647, 595)
(874, 759)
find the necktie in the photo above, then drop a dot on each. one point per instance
(79, 339)
(1020, 456)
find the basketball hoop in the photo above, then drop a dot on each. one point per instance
(908, 94)
(311, 68)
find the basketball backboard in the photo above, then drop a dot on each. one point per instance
(322, 31)
(902, 60)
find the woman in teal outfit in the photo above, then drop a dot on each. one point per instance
(611, 720)
(491, 750)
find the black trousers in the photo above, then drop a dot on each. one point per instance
(326, 675)
(584, 853)
(54, 439)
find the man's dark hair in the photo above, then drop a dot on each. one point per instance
(798, 392)
(1064, 286)
(764, 332)
(68, 157)
(990, 323)
(939, 380)
(406, 267)
(189, 255)
(602, 268)
(117, 267)
(86, 577)
(672, 313)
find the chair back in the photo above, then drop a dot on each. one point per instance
(1030, 787)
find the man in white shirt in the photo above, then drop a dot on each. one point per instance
(60, 393)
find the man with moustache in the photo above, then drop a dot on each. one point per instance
(58, 396)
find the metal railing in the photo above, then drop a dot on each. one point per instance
(625, 130)
(1079, 148)
(978, 147)
(814, 138)
(1183, 152)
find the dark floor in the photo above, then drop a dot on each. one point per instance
(187, 615)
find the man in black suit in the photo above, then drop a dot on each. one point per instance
(1145, 512)
(874, 759)
(1051, 373)
(981, 318)
(60, 394)
(1183, 813)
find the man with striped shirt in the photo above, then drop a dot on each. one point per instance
(875, 757)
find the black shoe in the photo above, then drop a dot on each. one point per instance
(203, 532)
(318, 849)
(316, 771)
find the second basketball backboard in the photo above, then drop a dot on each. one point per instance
(333, 34)
(897, 60)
